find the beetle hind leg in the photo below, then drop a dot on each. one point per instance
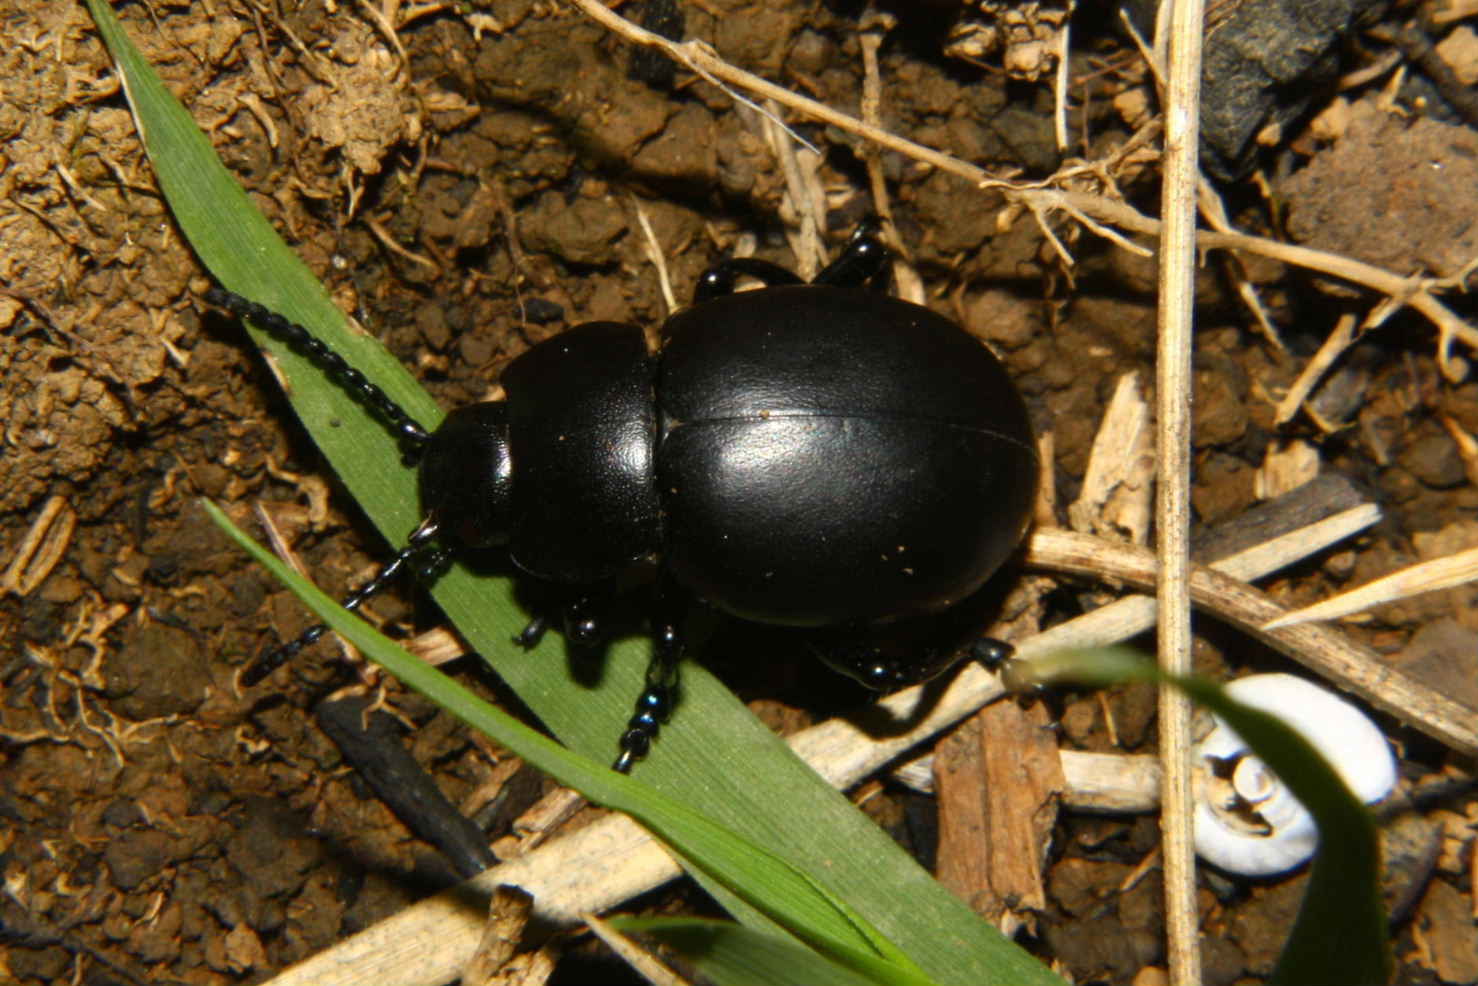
(862, 263)
(888, 656)
(721, 279)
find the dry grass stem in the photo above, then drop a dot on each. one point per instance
(507, 917)
(436, 647)
(906, 280)
(1285, 467)
(1173, 387)
(1338, 341)
(389, 243)
(1118, 484)
(655, 255)
(384, 24)
(1427, 576)
(1101, 783)
(1060, 84)
(635, 955)
(804, 208)
(1467, 445)
(1327, 652)
(1214, 211)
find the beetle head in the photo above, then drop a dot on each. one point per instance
(467, 475)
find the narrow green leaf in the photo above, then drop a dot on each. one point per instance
(733, 955)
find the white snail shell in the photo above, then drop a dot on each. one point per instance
(1246, 821)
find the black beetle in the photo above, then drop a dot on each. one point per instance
(804, 454)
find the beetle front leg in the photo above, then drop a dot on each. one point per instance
(654, 705)
(582, 616)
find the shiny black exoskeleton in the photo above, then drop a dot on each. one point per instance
(805, 454)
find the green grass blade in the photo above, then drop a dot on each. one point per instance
(731, 954)
(716, 757)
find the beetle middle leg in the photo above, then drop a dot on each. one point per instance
(582, 615)
(654, 705)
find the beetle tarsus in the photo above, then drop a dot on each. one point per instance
(991, 653)
(999, 658)
(654, 705)
(533, 631)
(584, 623)
(862, 259)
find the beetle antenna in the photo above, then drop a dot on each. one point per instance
(407, 429)
(420, 546)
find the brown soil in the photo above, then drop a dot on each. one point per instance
(160, 825)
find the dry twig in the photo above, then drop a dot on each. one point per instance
(655, 255)
(1427, 576)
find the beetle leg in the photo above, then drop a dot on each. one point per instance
(720, 279)
(584, 622)
(991, 653)
(533, 631)
(655, 703)
(999, 657)
(420, 549)
(862, 258)
(889, 656)
(581, 614)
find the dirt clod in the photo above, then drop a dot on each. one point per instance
(1400, 195)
